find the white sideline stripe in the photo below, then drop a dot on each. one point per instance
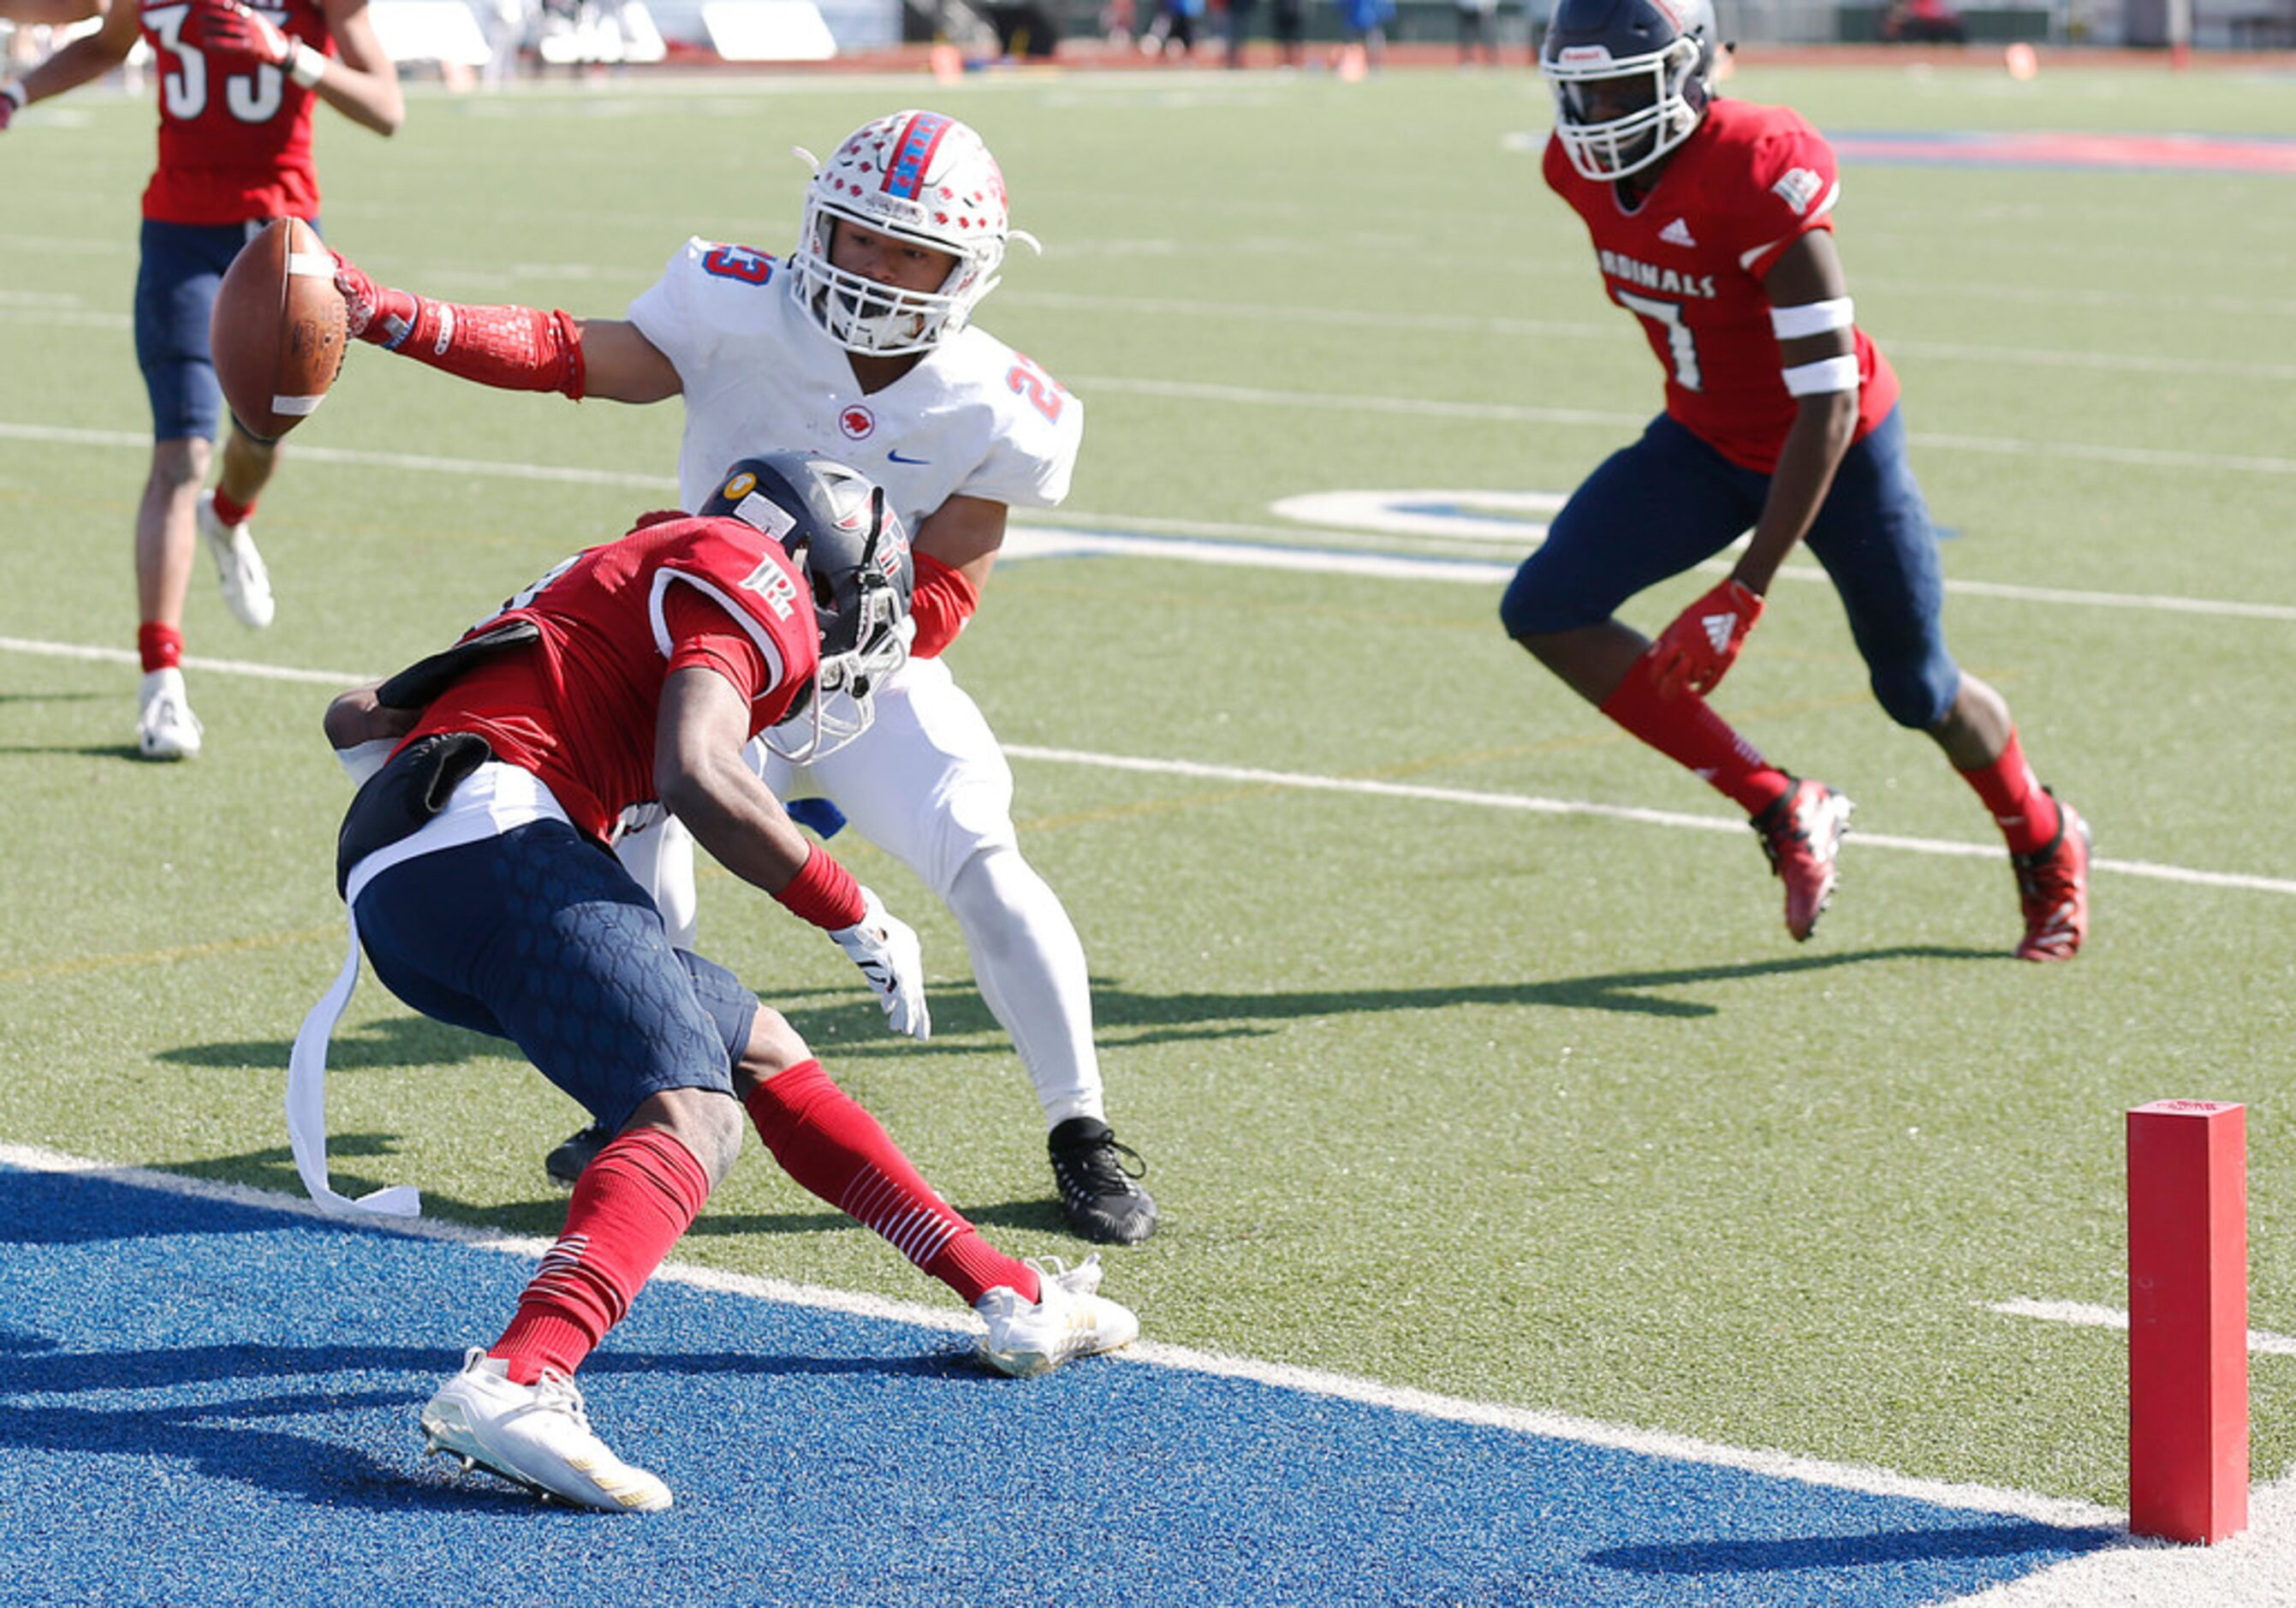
(1534, 805)
(1558, 1426)
(2262, 1342)
(2251, 1571)
(1528, 802)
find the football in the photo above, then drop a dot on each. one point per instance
(277, 331)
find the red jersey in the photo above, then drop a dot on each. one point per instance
(1689, 263)
(234, 141)
(580, 707)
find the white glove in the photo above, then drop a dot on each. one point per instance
(886, 949)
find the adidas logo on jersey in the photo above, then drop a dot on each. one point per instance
(1676, 233)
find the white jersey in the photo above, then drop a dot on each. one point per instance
(973, 419)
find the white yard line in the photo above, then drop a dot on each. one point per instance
(68, 309)
(1304, 781)
(1031, 538)
(1533, 804)
(2086, 1315)
(1527, 1420)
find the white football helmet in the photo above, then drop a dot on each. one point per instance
(921, 178)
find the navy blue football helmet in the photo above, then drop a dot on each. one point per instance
(1631, 79)
(854, 554)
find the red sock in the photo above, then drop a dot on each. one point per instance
(160, 646)
(642, 1192)
(825, 1141)
(2026, 814)
(230, 513)
(1687, 731)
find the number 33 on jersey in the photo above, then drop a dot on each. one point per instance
(235, 131)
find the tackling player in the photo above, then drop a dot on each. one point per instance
(633, 674)
(1712, 222)
(860, 344)
(237, 87)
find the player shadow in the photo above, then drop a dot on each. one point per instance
(858, 1033)
(1879, 1549)
(232, 1434)
(126, 752)
(1038, 1216)
(393, 1043)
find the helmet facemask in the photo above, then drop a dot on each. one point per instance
(925, 180)
(1676, 78)
(864, 639)
(854, 561)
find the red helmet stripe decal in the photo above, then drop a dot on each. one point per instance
(912, 154)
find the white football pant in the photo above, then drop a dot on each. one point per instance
(928, 783)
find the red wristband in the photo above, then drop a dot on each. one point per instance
(943, 600)
(823, 892)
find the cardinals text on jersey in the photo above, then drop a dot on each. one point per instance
(1688, 261)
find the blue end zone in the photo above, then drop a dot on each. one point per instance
(211, 1402)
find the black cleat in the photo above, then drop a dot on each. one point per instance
(575, 1152)
(1097, 1190)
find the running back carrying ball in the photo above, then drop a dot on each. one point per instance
(277, 331)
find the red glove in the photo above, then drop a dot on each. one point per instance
(372, 311)
(1694, 653)
(229, 30)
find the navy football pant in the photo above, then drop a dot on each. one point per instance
(181, 268)
(540, 937)
(1670, 501)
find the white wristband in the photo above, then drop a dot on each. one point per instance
(1813, 319)
(307, 66)
(14, 93)
(1826, 375)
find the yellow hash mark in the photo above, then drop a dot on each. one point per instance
(81, 965)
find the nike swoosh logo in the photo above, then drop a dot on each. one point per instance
(897, 458)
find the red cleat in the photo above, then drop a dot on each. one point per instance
(2052, 881)
(1801, 832)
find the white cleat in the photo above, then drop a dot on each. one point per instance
(537, 1435)
(1071, 1319)
(165, 726)
(246, 583)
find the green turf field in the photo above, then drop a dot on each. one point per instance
(1539, 1109)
